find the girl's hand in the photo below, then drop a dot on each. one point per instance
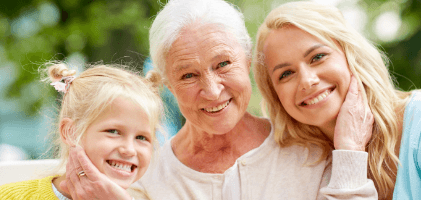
(92, 185)
(352, 131)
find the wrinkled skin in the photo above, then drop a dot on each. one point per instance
(354, 126)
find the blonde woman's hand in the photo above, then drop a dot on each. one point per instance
(92, 185)
(353, 127)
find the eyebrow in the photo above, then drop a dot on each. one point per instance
(180, 68)
(280, 66)
(219, 56)
(312, 49)
(304, 55)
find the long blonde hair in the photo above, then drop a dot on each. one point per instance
(365, 62)
(95, 89)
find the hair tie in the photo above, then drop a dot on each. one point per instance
(64, 84)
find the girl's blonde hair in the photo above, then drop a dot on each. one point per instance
(366, 64)
(94, 90)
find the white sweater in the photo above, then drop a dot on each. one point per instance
(267, 172)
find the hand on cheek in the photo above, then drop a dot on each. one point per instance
(354, 124)
(92, 185)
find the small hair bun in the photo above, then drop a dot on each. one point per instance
(57, 71)
(154, 77)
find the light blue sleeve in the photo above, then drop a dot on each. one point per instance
(408, 180)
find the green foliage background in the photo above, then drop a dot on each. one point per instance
(117, 32)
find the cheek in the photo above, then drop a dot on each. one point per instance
(286, 95)
(183, 94)
(244, 86)
(145, 156)
(345, 80)
(97, 149)
(345, 87)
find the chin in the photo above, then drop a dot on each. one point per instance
(222, 129)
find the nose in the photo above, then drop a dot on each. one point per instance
(127, 149)
(211, 87)
(308, 78)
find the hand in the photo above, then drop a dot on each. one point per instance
(94, 185)
(353, 126)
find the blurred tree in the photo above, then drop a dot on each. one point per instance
(405, 53)
(403, 49)
(33, 32)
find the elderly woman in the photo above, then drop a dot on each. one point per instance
(202, 51)
(307, 54)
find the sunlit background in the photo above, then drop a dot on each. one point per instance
(80, 31)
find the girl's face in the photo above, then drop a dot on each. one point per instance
(119, 142)
(310, 78)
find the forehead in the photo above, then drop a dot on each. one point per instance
(288, 37)
(201, 42)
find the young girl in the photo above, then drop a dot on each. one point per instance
(307, 58)
(112, 113)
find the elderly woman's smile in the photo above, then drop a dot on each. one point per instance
(215, 109)
(207, 72)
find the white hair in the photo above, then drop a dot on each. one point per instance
(178, 14)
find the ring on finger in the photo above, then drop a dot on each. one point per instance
(81, 173)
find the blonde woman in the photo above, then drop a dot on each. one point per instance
(306, 59)
(113, 114)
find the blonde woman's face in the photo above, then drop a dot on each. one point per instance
(119, 142)
(310, 78)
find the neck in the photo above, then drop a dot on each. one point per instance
(196, 139)
(214, 153)
(329, 129)
(57, 181)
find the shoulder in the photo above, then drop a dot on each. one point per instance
(412, 117)
(414, 102)
(411, 134)
(31, 189)
(259, 125)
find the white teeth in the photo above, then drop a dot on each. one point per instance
(318, 98)
(121, 166)
(217, 108)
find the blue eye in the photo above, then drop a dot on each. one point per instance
(285, 74)
(140, 137)
(185, 76)
(223, 64)
(317, 57)
(113, 131)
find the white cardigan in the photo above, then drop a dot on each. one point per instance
(267, 172)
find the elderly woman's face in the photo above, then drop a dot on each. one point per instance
(208, 73)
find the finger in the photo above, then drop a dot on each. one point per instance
(352, 94)
(63, 186)
(69, 166)
(90, 170)
(74, 175)
(76, 164)
(71, 188)
(69, 172)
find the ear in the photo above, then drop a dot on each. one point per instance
(67, 134)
